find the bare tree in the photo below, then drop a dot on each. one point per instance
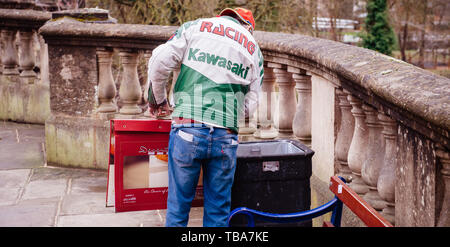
(401, 15)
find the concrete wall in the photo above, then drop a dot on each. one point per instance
(21, 102)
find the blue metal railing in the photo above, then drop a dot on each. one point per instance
(334, 206)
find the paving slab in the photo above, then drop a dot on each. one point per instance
(123, 219)
(33, 134)
(21, 145)
(8, 196)
(52, 172)
(90, 203)
(21, 155)
(29, 213)
(45, 189)
(12, 183)
(13, 178)
(7, 136)
(90, 184)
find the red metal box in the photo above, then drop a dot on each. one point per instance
(138, 165)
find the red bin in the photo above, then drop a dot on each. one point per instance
(138, 177)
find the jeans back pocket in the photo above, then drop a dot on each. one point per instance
(184, 148)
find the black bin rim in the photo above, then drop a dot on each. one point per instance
(307, 152)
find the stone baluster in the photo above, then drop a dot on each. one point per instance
(302, 118)
(286, 99)
(266, 129)
(2, 52)
(36, 50)
(444, 159)
(147, 55)
(9, 57)
(142, 77)
(43, 64)
(106, 86)
(386, 180)
(27, 56)
(247, 126)
(371, 167)
(358, 146)
(344, 135)
(130, 89)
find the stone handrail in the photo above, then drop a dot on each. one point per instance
(133, 36)
(23, 18)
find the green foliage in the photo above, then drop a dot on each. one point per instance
(378, 34)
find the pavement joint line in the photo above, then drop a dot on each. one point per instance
(17, 136)
(22, 190)
(69, 187)
(44, 153)
(61, 199)
(160, 216)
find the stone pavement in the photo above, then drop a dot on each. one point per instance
(34, 194)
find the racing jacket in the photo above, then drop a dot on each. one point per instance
(221, 71)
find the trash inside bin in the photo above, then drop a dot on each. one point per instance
(272, 176)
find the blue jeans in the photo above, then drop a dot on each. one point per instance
(213, 150)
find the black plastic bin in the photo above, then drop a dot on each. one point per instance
(272, 176)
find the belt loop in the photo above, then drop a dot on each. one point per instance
(211, 129)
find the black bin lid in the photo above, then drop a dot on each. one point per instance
(274, 149)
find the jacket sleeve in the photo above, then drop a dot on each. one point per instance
(251, 98)
(165, 58)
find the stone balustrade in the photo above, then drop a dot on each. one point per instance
(381, 123)
(385, 124)
(23, 67)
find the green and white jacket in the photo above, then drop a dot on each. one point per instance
(221, 71)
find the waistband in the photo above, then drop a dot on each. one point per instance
(189, 123)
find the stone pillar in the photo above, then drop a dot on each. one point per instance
(374, 159)
(106, 85)
(266, 129)
(130, 89)
(415, 179)
(27, 56)
(444, 159)
(302, 118)
(358, 146)
(386, 180)
(344, 135)
(286, 99)
(9, 57)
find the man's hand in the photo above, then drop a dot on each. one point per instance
(161, 110)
